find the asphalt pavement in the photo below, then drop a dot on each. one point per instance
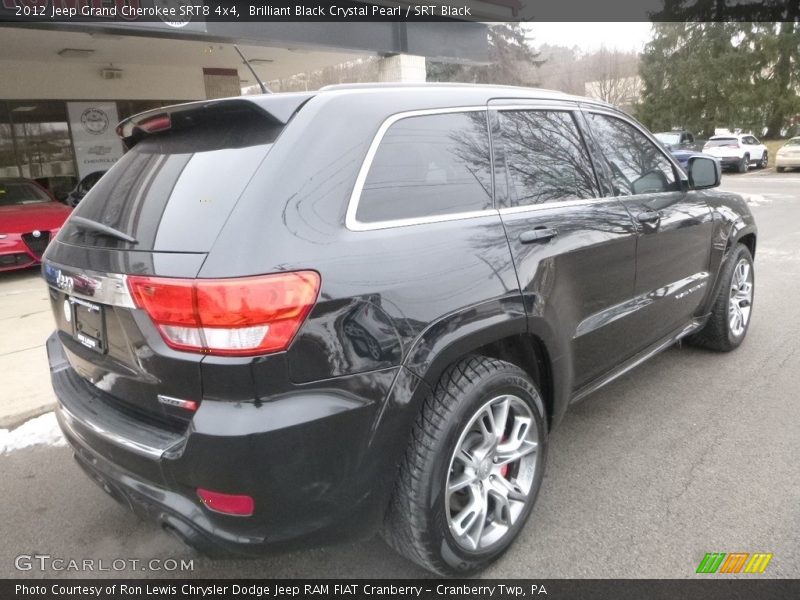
(692, 452)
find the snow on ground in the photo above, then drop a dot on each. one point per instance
(755, 199)
(38, 431)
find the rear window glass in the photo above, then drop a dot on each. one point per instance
(720, 142)
(428, 166)
(16, 193)
(174, 190)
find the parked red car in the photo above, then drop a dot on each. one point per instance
(29, 218)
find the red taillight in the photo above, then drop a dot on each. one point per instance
(245, 316)
(157, 123)
(238, 505)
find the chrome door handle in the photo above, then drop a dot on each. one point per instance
(542, 234)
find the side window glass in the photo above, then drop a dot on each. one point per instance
(545, 157)
(427, 166)
(637, 165)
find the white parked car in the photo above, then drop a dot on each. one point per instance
(788, 155)
(737, 151)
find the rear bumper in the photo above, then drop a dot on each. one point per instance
(174, 513)
(729, 161)
(319, 466)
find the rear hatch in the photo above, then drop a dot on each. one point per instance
(722, 147)
(157, 212)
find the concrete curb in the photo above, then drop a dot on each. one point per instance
(14, 421)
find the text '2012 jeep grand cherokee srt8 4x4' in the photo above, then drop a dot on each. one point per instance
(293, 318)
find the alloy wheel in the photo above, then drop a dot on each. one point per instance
(741, 297)
(491, 472)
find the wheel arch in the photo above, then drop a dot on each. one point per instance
(511, 340)
(749, 240)
(530, 354)
(738, 232)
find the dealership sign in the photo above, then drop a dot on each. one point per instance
(94, 138)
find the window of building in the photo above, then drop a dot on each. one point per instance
(40, 132)
(427, 166)
(545, 157)
(8, 154)
(637, 165)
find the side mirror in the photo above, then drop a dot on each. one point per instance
(704, 172)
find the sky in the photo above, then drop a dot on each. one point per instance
(590, 36)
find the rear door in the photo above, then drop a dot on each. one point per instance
(574, 250)
(673, 224)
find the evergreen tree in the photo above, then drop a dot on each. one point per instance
(775, 49)
(716, 64)
(693, 76)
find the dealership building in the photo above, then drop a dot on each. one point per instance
(66, 86)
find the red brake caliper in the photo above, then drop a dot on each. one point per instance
(504, 468)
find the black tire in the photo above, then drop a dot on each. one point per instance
(764, 161)
(744, 164)
(717, 334)
(416, 523)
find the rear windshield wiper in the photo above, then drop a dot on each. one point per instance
(85, 223)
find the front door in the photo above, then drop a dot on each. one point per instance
(674, 226)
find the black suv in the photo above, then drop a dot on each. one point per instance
(295, 318)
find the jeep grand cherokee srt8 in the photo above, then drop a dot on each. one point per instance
(294, 318)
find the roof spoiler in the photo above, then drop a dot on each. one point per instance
(277, 108)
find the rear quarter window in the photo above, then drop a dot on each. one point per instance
(428, 166)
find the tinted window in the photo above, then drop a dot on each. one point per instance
(637, 165)
(427, 166)
(173, 191)
(20, 192)
(545, 157)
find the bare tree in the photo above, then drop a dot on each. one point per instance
(612, 76)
